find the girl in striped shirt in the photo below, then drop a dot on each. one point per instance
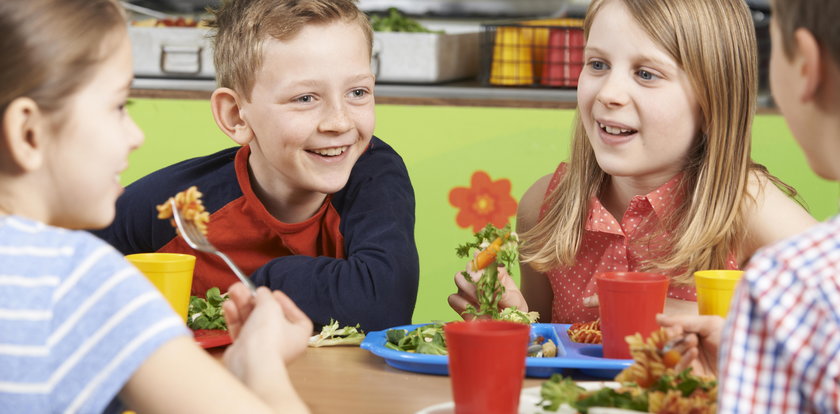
(80, 326)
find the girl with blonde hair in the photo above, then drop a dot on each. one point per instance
(660, 176)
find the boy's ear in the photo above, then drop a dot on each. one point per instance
(24, 126)
(812, 64)
(227, 111)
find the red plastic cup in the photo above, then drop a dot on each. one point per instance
(629, 302)
(487, 365)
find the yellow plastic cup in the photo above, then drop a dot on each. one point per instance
(715, 289)
(171, 273)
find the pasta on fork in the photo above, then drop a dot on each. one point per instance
(189, 204)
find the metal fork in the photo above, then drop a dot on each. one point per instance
(198, 241)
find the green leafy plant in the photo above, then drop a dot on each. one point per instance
(207, 313)
(426, 339)
(396, 22)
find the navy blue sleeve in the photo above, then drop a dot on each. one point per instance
(136, 228)
(376, 284)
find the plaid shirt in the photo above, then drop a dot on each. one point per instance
(781, 343)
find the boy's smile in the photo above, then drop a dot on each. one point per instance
(311, 115)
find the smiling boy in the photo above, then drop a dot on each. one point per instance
(310, 202)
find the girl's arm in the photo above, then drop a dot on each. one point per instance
(181, 377)
(774, 216)
(534, 285)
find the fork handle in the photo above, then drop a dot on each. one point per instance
(242, 277)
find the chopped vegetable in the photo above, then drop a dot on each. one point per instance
(542, 347)
(426, 339)
(506, 251)
(557, 391)
(488, 255)
(396, 22)
(332, 335)
(207, 313)
(671, 358)
(495, 244)
(515, 315)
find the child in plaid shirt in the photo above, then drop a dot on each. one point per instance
(780, 346)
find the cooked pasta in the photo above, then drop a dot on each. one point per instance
(649, 369)
(648, 385)
(190, 206)
(586, 332)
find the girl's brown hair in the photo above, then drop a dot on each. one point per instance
(709, 224)
(51, 48)
(242, 26)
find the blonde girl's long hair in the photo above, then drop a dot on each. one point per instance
(714, 42)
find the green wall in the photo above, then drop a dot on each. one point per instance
(442, 147)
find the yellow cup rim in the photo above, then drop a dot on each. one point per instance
(162, 262)
(717, 279)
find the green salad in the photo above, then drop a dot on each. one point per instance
(206, 313)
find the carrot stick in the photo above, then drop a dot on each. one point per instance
(488, 255)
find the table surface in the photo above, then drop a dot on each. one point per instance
(349, 379)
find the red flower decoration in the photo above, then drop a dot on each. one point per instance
(484, 201)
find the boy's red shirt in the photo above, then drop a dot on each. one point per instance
(270, 238)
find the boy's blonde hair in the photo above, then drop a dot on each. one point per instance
(242, 26)
(817, 16)
(49, 49)
(714, 42)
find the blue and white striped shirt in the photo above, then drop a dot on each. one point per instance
(76, 319)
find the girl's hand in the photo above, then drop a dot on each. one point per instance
(702, 340)
(270, 321)
(466, 294)
(591, 301)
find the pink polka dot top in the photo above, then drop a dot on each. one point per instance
(612, 246)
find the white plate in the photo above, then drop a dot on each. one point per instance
(530, 397)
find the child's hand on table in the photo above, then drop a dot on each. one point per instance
(466, 294)
(269, 321)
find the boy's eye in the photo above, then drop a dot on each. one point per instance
(358, 93)
(305, 99)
